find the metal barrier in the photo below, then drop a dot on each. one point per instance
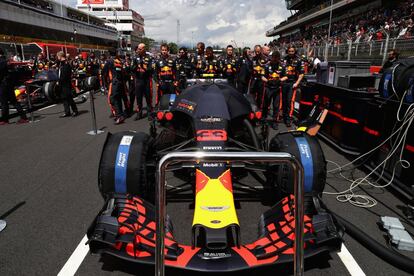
(267, 157)
(95, 130)
(375, 50)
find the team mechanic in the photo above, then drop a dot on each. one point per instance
(92, 66)
(79, 67)
(230, 66)
(295, 73)
(184, 69)
(199, 59)
(142, 69)
(274, 75)
(256, 86)
(39, 64)
(165, 73)
(116, 91)
(102, 78)
(212, 66)
(130, 86)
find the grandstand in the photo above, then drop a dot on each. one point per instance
(47, 21)
(361, 22)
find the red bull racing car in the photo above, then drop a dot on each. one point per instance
(210, 117)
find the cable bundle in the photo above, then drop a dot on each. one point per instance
(365, 201)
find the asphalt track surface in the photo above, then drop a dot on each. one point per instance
(49, 197)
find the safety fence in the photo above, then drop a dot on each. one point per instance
(374, 51)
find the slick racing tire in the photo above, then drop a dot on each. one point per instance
(50, 90)
(397, 80)
(80, 99)
(309, 152)
(91, 83)
(123, 166)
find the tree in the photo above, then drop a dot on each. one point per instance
(149, 42)
(173, 48)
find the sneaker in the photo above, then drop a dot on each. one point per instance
(74, 114)
(64, 115)
(119, 120)
(22, 121)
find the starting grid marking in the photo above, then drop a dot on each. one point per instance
(47, 107)
(75, 260)
(351, 265)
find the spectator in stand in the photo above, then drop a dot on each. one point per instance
(367, 26)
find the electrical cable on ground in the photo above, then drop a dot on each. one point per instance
(365, 201)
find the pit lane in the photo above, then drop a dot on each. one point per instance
(49, 196)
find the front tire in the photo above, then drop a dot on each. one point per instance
(123, 167)
(308, 151)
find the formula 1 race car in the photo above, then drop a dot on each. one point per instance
(210, 118)
(43, 88)
(80, 85)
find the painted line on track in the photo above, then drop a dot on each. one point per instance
(47, 107)
(76, 259)
(351, 265)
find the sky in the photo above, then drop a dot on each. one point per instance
(238, 22)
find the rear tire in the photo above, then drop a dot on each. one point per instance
(50, 90)
(129, 175)
(91, 83)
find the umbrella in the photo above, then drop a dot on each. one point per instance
(212, 100)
